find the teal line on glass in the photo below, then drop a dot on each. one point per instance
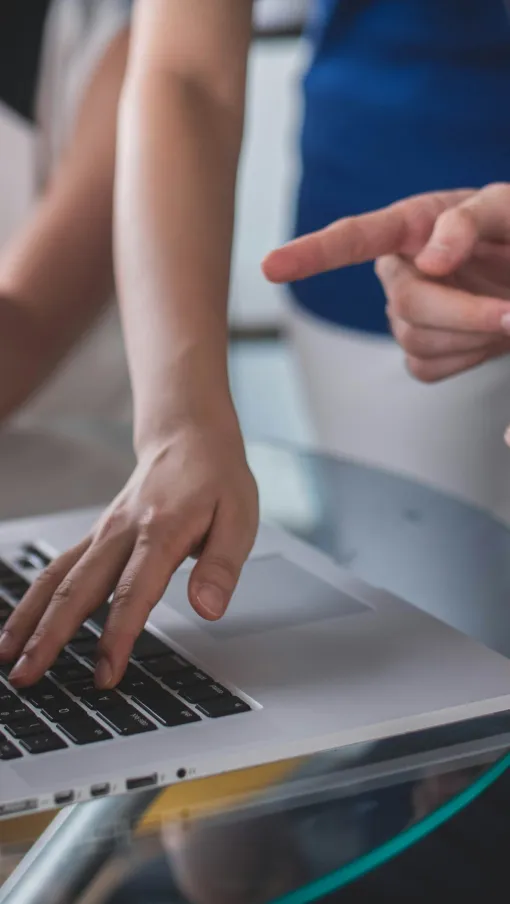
(390, 849)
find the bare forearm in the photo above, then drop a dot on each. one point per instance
(58, 268)
(57, 272)
(23, 359)
(54, 278)
(175, 209)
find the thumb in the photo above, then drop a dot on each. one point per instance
(215, 576)
(485, 216)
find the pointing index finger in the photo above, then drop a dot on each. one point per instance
(403, 227)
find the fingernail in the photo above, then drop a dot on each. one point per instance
(5, 644)
(438, 247)
(507, 436)
(434, 254)
(212, 600)
(20, 670)
(103, 674)
(505, 323)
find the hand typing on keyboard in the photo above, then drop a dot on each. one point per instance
(195, 494)
(160, 689)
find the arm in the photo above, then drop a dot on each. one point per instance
(180, 137)
(192, 491)
(57, 273)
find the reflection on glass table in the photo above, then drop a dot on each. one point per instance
(316, 836)
(300, 830)
(293, 834)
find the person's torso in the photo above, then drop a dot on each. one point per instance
(402, 96)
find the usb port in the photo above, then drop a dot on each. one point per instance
(65, 797)
(145, 781)
(19, 806)
(100, 790)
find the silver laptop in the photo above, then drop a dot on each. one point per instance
(307, 659)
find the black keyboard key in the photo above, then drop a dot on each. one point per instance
(5, 570)
(18, 588)
(25, 563)
(133, 680)
(69, 672)
(102, 701)
(5, 610)
(5, 669)
(100, 616)
(90, 658)
(85, 731)
(81, 688)
(147, 646)
(166, 709)
(223, 706)
(64, 658)
(45, 693)
(85, 648)
(25, 728)
(15, 713)
(62, 711)
(7, 750)
(182, 680)
(83, 633)
(164, 665)
(198, 693)
(44, 743)
(127, 721)
(7, 698)
(13, 583)
(8, 576)
(33, 552)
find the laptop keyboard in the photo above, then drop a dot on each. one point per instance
(159, 690)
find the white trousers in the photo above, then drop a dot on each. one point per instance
(365, 405)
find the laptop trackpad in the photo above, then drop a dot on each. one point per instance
(273, 593)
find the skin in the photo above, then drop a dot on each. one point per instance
(180, 131)
(247, 862)
(56, 274)
(444, 262)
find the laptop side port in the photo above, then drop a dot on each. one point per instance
(144, 781)
(63, 798)
(19, 806)
(100, 790)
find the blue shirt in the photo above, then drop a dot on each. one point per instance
(402, 97)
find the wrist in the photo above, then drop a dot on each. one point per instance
(159, 426)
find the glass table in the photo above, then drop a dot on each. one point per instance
(304, 830)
